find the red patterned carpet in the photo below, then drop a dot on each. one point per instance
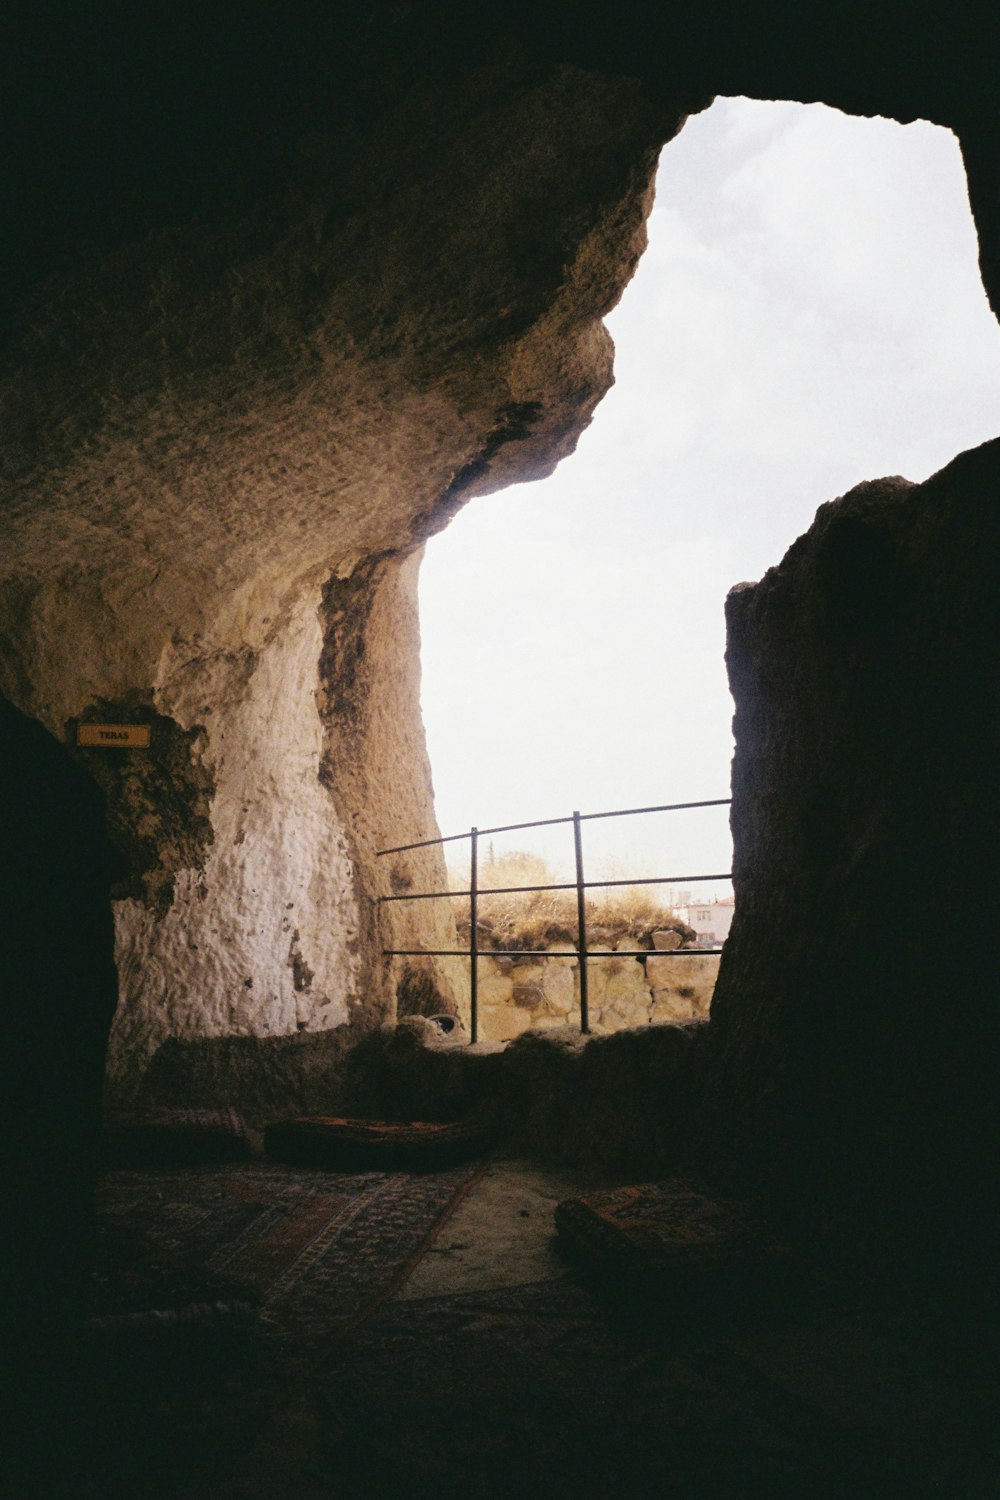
(311, 1251)
(216, 1291)
(277, 1365)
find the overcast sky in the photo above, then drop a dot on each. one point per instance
(809, 314)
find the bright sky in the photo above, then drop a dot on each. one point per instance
(809, 314)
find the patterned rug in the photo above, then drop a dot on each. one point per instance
(216, 1290)
(332, 1390)
(312, 1251)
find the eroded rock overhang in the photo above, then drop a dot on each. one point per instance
(285, 295)
(229, 439)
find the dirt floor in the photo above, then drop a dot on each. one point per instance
(489, 1367)
(501, 1235)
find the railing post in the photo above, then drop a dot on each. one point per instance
(581, 918)
(474, 932)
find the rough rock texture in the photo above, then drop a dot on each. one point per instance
(544, 994)
(285, 286)
(624, 1102)
(854, 1017)
(228, 438)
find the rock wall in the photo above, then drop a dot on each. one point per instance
(284, 287)
(854, 999)
(229, 434)
(544, 994)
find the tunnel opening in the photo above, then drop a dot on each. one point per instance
(808, 312)
(232, 436)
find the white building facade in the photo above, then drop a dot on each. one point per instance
(711, 920)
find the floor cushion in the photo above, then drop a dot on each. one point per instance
(669, 1235)
(343, 1144)
(177, 1137)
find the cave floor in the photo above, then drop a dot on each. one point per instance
(490, 1368)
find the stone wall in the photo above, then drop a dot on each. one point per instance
(284, 288)
(227, 434)
(534, 994)
(864, 669)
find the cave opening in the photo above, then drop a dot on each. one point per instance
(809, 313)
(222, 511)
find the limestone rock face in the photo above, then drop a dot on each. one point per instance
(622, 992)
(277, 298)
(691, 977)
(226, 437)
(852, 999)
(669, 1008)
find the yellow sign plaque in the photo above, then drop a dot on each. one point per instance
(114, 736)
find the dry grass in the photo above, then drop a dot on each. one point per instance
(537, 918)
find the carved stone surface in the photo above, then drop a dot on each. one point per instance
(225, 442)
(280, 298)
(854, 1015)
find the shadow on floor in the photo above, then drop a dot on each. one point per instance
(448, 1378)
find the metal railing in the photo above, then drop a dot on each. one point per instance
(580, 885)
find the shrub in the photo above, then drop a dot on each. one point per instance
(536, 919)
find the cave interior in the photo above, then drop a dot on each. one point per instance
(282, 291)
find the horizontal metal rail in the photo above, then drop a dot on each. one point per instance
(624, 812)
(580, 885)
(566, 885)
(549, 952)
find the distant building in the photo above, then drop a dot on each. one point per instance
(711, 920)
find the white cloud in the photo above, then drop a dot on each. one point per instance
(808, 315)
